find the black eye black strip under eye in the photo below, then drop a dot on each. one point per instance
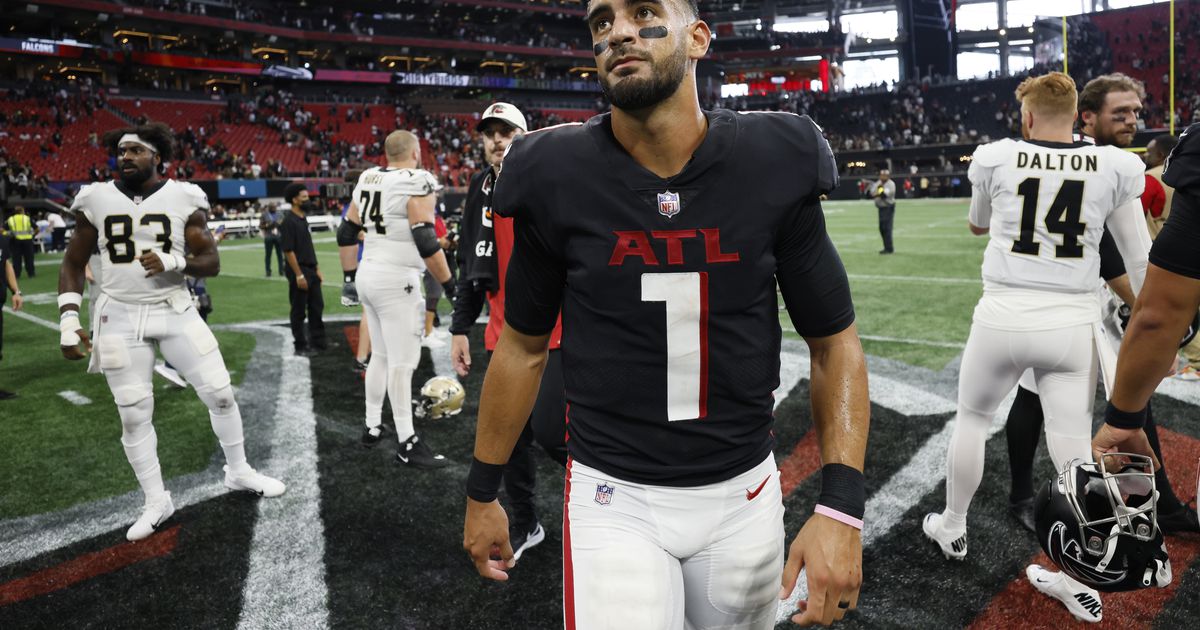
(650, 32)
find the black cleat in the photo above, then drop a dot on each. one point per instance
(414, 452)
(371, 437)
(524, 539)
(1181, 521)
(1022, 510)
(5, 395)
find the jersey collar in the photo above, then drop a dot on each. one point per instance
(138, 197)
(717, 144)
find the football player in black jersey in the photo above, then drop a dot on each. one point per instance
(661, 231)
(1164, 309)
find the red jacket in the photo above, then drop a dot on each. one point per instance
(503, 227)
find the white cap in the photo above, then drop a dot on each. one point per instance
(503, 111)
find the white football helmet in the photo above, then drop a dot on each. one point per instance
(441, 397)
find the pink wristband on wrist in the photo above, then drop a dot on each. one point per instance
(856, 523)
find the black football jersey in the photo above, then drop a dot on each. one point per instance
(1177, 248)
(667, 287)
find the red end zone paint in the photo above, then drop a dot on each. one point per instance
(87, 567)
(800, 464)
(1019, 605)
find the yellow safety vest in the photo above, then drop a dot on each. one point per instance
(21, 227)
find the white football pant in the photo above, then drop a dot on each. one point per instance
(659, 558)
(1064, 368)
(125, 336)
(391, 299)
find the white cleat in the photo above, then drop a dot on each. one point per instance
(1083, 602)
(952, 543)
(254, 481)
(432, 342)
(171, 374)
(153, 515)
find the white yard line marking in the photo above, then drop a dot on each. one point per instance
(923, 472)
(45, 323)
(916, 342)
(921, 279)
(75, 398)
(919, 342)
(289, 535)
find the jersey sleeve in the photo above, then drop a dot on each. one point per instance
(1131, 178)
(827, 172)
(80, 204)
(535, 281)
(195, 196)
(508, 196)
(1182, 168)
(811, 275)
(418, 184)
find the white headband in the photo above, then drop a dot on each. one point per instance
(133, 138)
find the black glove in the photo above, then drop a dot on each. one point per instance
(450, 290)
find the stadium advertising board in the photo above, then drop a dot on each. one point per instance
(241, 188)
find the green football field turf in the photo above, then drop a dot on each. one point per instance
(913, 306)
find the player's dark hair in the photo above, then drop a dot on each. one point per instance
(156, 134)
(292, 191)
(1091, 99)
(1164, 143)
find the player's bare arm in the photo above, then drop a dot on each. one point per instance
(422, 214)
(70, 288)
(1165, 306)
(829, 550)
(509, 391)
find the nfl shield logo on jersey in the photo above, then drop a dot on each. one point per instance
(668, 204)
(604, 493)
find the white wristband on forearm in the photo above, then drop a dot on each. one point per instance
(69, 299)
(68, 327)
(172, 262)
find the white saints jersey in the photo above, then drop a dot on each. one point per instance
(1045, 204)
(382, 195)
(129, 225)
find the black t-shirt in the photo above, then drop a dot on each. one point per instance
(1177, 248)
(295, 237)
(644, 267)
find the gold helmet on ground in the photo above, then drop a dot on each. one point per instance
(441, 397)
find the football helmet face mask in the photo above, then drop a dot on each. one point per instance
(1100, 526)
(441, 397)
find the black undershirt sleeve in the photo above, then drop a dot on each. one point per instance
(811, 275)
(535, 282)
(1111, 263)
(1177, 248)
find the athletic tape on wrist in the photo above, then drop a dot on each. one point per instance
(856, 523)
(1124, 419)
(172, 262)
(68, 325)
(69, 299)
(483, 480)
(843, 490)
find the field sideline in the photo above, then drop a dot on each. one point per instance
(352, 518)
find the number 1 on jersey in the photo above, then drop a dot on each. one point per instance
(686, 299)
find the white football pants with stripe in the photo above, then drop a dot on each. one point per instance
(641, 557)
(125, 337)
(391, 299)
